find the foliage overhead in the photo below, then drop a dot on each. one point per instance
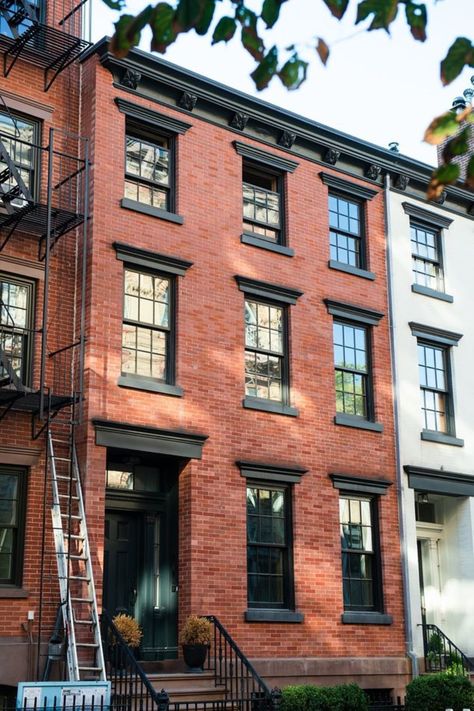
(167, 21)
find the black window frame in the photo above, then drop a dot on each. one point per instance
(376, 586)
(36, 124)
(360, 238)
(16, 579)
(170, 360)
(279, 177)
(447, 391)
(288, 602)
(28, 332)
(134, 130)
(285, 355)
(368, 375)
(438, 263)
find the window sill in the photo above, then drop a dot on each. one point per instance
(257, 615)
(358, 422)
(349, 269)
(419, 289)
(366, 618)
(255, 241)
(13, 592)
(152, 211)
(277, 408)
(441, 438)
(148, 384)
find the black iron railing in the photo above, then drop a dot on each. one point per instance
(441, 654)
(234, 673)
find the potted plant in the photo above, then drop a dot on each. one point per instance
(195, 638)
(131, 633)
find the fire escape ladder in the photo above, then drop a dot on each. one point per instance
(85, 659)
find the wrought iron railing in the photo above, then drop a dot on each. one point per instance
(441, 654)
(235, 674)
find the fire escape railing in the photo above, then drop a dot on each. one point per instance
(441, 654)
(52, 42)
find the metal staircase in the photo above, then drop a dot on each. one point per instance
(85, 659)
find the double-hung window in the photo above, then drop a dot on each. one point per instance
(263, 198)
(436, 390)
(426, 257)
(270, 579)
(12, 513)
(148, 170)
(19, 136)
(352, 336)
(347, 225)
(359, 501)
(267, 378)
(151, 140)
(426, 237)
(16, 324)
(148, 353)
(262, 203)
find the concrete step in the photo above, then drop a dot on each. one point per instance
(181, 680)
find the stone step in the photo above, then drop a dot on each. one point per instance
(181, 680)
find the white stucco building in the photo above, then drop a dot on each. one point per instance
(431, 260)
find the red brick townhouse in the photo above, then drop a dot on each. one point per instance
(214, 344)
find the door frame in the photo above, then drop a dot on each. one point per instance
(433, 534)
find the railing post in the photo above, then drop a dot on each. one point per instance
(275, 696)
(163, 700)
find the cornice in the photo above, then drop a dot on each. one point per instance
(165, 83)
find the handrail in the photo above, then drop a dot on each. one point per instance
(127, 677)
(234, 671)
(441, 653)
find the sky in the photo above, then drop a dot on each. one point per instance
(375, 86)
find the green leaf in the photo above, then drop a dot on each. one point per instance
(457, 146)
(115, 4)
(271, 11)
(337, 7)
(441, 127)
(162, 27)
(384, 12)
(444, 175)
(293, 73)
(250, 39)
(459, 54)
(323, 50)
(204, 22)
(224, 30)
(127, 32)
(266, 70)
(417, 18)
(470, 173)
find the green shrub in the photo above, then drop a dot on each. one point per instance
(437, 692)
(346, 697)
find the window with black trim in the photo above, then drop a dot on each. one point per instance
(359, 550)
(12, 522)
(148, 325)
(149, 169)
(426, 256)
(266, 360)
(346, 231)
(262, 202)
(20, 135)
(352, 371)
(269, 546)
(436, 400)
(16, 327)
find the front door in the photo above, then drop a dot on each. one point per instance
(141, 554)
(121, 562)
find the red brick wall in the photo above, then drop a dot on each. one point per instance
(210, 365)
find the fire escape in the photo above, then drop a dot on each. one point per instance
(48, 37)
(44, 190)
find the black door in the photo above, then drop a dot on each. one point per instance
(121, 563)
